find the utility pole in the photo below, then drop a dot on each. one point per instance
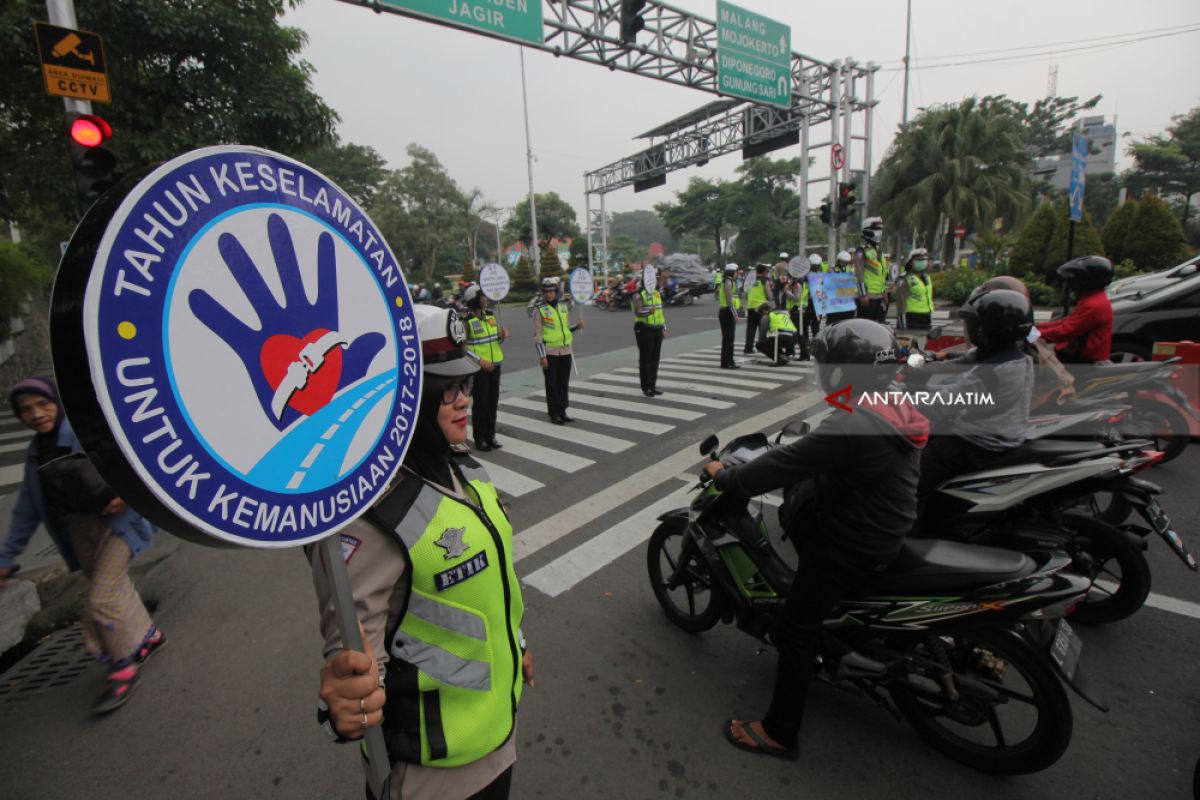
(536, 265)
(907, 42)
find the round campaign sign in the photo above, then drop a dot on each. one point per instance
(239, 349)
(581, 285)
(748, 281)
(650, 278)
(798, 266)
(493, 282)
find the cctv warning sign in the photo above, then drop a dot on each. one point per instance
(72, 63)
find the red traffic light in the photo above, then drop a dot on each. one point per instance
(90, 131)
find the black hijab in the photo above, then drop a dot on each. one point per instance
(428, 455)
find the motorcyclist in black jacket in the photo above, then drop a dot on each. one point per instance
(865, 466)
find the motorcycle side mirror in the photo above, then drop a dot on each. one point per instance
(709, 445)
(935, 332)
(797, 427)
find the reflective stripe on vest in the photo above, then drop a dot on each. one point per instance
(483, 338)
(756, 296)
(454, 677)
(556, 325)
(780, 321)
(920, 295)
(874, 271)
(655, 318)
(721, 296)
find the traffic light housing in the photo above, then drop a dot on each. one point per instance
(93, 164)
(845, 201)
(826, 216)
(631, 19)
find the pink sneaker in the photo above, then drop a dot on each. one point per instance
(150, 647)
(120, 683)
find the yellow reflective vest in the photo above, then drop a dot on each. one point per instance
(721, 303)
(920, 294)
(483, 337)
(556, 324)
(454, 674)
(652, 301)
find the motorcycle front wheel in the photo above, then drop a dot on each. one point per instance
(1011, 716)
(681, 580)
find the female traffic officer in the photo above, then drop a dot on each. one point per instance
(914, 292)
(431, 570)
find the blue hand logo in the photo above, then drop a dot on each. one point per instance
(297, 359)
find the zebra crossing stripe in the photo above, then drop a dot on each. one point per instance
(754, 367)
(687, 400)
(652, 408)
(12, 475)
(624, 423)
(695, 386)
(776, 374)
(556, 459)
(511, 483)
(596, 441)
(684, 374)
(574, 566)
(12, 448)
(25, 434)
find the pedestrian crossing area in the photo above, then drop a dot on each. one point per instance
(612, 415)
(14, 441)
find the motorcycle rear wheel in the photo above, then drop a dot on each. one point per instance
(1118, 569)
(971, 729)
(1166, 427)
(692, 605)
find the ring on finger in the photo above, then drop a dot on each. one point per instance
(360, 705)
(364, 722)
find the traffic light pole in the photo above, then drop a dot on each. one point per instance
(62, 14)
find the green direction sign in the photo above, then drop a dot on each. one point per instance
(754, 56)
(518, 20)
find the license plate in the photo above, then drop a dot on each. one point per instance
(1157, 518)
(1066, 649)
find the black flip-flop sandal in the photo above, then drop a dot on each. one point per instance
(760, 746)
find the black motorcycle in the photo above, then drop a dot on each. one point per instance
(967, 643)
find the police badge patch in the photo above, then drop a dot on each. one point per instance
(452, 542)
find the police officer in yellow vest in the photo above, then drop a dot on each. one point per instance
(914, 292)
(649, 330)
(553, 334)
(777, 334)
(871, 271)
(484, 336)
(431, 571)
(756, 295)
(729, 310)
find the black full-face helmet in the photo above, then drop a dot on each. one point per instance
(1086, 273)
(996, 317)
(855, 351)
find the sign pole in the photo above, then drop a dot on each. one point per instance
(378, 767)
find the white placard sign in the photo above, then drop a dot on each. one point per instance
(580, 284)
(650, 278)
(493, 282)
(798, 267)
(748, 282)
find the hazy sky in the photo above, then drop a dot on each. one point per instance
(396, 80)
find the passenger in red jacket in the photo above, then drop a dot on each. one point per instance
(1084, 335)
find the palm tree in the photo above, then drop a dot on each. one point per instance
(965, 164)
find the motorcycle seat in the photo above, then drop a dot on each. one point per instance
(938, 565)
(1040, 451)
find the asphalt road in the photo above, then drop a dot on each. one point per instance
(625, 705)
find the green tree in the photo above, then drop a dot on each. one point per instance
(993, 250)
(1155, 239)
(705, 207)
(1117, 229)
(418, 211)
(1100, 196)
(625, 248)
(1029, 252)
(23, 272)
(644, 227)
(183, 75)
(766, 208)
(522, 278)
(1087, 241)
(966, 164)
(358, 169)
(555, 217)
(1169, 165)
(549, 265)
(1048, 126)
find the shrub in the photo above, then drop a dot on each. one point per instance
(22, 273)
(1117, 229)
(551, 267)
(956, 285)
(1155, 240)
(1029, 253)
(522, 278)
(1087, 242)
(1043, 295)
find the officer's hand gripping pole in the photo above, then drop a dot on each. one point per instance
(378, 767)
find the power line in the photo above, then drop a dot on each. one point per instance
(1026, 58)
(1172, 28)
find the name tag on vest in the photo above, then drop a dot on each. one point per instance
(456, 575)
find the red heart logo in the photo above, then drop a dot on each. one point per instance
(281, 351)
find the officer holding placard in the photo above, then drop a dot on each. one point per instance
(756, 295)
(484, 335)
(553, 335)
(649, 329)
